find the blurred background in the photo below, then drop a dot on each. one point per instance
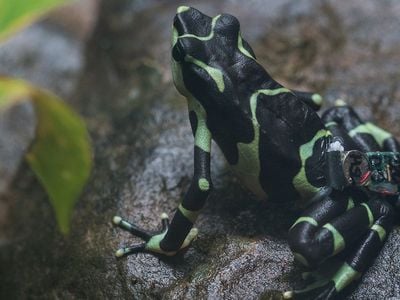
(109, 60)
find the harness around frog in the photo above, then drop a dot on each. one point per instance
(378, 172)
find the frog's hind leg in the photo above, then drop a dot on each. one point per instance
(313, 100)
(332, 225)
(337, 224)
(345, 123)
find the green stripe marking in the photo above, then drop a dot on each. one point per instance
(154, 243)
(189, 214)
(204, 185)
(300, 181)
(214, 73)
(202, 135)
(329, 124)
(309, 220)
(242, 49)
(379, 134)
(271, 92)
(248, 166)
(344, 276)
(203, 38)
(380, 231)
(370, 216)
(338, 240)
(174, 37)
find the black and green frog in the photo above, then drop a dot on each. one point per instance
(345, 172)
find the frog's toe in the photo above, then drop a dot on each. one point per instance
(132, 228)
(322, 290)
(130, 250)
(340, 102)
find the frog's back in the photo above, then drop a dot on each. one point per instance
(267, 135)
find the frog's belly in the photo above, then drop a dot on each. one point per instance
(248, 167)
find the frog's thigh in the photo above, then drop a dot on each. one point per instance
(344, 122)
(326, 228)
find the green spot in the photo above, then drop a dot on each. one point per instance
(379, 134)
(300, 182)
(182, 9)
(204, 185)
(301, 259)
(215, 73)
(370, 216)
(338, 240)
(317, 99)
(203, 38)
(380, 230)
(242, 49)
(309, 220)
(344, 276)
(189, 214)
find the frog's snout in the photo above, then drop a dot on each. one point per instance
(189, 20)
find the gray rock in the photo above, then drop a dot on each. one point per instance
(143, 157)
(17, 130)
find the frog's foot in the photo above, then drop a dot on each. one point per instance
(322, 289)
(318, 285)
(152, 241)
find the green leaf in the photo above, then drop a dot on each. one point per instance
(60, 155)
(15, 14)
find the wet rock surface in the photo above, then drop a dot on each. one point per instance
(120, 82)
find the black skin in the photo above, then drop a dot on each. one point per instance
(286, 121)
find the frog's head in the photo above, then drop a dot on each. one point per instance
(205, 52)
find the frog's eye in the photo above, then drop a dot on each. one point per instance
(178, 53)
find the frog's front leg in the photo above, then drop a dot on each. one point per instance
(179, 234)
(313, 100)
